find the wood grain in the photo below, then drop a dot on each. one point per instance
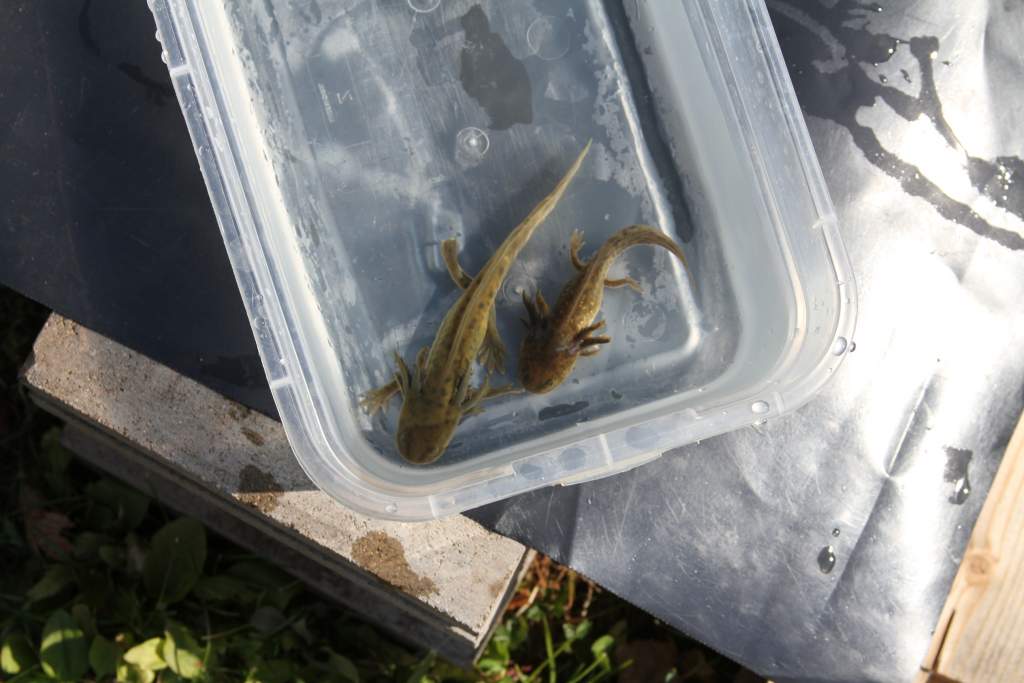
(980, 634)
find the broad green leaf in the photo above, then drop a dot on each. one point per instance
(491, 667)
(583, 629)
(518, 632)
(146, 655)
(499, 645)
(267, 620)
(343, 667)
(100, 517)
(260, 574)
(64, 651)
(220, 588)
(301, 628)
(83, 615)
(602, 644)
(103, 657)
(280, 587)
(274, 671)
(129, 673)
(181, 652)
(129, 505)
(88, 543)
(246, 648)
(450, 673)
(175, 560)
(95, 587)
(16, 654)
(112, 555)
(55, 580)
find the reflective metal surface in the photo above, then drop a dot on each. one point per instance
(821, 546)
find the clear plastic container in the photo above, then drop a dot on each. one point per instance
(343, 140)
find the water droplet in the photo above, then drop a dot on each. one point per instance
(164, 57)
(958, 462)
(853, 346)
(962, 491)
(391, 508)
(827, 559)
(424, 5)
(471, 144)
(549, 37)
(615, 394)
(835, 532)
(759, 407)
(839, 346)
(882, 78)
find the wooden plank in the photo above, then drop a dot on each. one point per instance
(980, 634)
(439, 584)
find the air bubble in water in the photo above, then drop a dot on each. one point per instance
(962, 491)
(759, 407)
(839, 347)
(827, 559)
(549, 37)
(471, 144)
(424, 5)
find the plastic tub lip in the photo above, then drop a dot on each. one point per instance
(243, 218)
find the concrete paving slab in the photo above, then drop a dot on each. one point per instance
(438, 584)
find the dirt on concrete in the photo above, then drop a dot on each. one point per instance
(384, 556)
(258, 489)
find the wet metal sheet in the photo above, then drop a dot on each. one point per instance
(821, 546)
